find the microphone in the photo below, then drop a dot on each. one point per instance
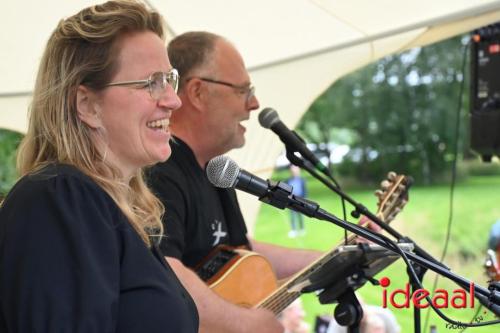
(223, 172)
(268, 118)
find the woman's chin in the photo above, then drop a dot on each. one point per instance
(164, 154)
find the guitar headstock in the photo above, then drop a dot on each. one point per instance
(392, 196)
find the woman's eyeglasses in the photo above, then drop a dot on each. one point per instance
(157, 83)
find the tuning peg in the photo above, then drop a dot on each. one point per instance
(391, 175)
(379, 193)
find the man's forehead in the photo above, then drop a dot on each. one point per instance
(230, 62)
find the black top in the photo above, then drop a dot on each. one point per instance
(71, 262)
(198, 215)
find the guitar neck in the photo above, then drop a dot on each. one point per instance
(286, 294)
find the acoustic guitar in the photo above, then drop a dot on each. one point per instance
(247, 279)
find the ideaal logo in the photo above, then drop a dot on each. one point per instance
(441, 298)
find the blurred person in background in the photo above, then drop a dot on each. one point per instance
(298, 184)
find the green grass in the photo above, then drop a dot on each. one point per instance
(425, 220)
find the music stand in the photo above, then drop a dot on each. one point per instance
(348, 269)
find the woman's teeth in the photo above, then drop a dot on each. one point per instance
(159, 124)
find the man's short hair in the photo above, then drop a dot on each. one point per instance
(190, 51)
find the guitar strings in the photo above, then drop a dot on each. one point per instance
(280, 301)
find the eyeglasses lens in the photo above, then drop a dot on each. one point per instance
(159, 82)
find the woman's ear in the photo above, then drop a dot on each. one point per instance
(87, 108)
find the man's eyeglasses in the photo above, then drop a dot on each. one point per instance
(248, 90)
(157, 83)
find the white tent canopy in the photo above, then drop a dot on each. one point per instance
(294, 49)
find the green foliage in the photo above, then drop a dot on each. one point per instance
(8, 145)
(398, 113)
(424, 219)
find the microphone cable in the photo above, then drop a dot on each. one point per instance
(453, 173)
(475, 315)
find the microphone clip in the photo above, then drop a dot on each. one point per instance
(278, 194)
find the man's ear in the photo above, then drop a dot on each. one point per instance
(195, 93)
(87, 108)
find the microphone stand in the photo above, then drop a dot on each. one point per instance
(279, 195)
(420, 270)
(359, 209)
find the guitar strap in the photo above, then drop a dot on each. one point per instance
(236, 226)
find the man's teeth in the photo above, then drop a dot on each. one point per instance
(161, 124)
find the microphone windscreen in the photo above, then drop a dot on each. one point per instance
(268, 117)
(222, 171)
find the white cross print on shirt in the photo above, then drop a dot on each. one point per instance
(218, 233)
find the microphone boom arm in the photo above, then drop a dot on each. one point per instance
(312, 209)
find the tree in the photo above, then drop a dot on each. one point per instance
(8, 145)
(400, 113)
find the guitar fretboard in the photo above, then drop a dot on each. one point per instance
(287, 293)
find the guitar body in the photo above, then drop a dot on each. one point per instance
(242, 277)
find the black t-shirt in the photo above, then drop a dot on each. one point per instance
(71, 262)
(198, 215)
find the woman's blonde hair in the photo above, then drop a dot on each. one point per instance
(83, 50)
